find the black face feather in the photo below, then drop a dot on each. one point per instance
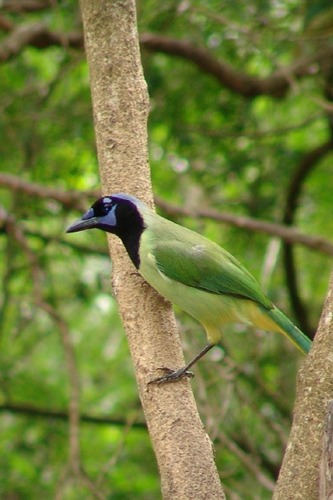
(119, 215)
(130, 226)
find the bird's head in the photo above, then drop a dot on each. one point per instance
(114, 214)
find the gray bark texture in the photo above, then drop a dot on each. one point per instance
(301, 475)
(121, 105)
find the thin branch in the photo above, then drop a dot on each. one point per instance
(287, 234)
(74, 384)
(70, 199)
(19, 6)
(36, 35)
(5, 24)
(7, 262)
(14, 230)
(92, 249)
(258, 134)
(276, 85)
(305, 167)
(80, 248)
(73, 471)
(110, 464)
(248, 462)
(46, 413)
(78, 200)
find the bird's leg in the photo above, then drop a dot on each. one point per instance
(175, 375)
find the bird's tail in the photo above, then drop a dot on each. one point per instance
(290, 330)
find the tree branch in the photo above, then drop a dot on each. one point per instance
(46, 413)
(70, 199)
(299, 475)
(78, 201)
(326, 472)
(37, 35)
(305, 167)
(276, 85)
(247, 460)
(15, 231)
(19, 6)
(182, 447)
(288, 234)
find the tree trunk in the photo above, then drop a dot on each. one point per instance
(300, 472)
(120, 103)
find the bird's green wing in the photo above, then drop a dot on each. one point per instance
(208, 267)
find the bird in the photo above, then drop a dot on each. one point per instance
(190, 271)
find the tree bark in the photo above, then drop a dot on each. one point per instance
(300, 472)
(120, 103)
(326, 470)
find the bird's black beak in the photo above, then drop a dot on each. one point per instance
(87, 221)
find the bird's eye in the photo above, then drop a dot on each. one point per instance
(102, 206)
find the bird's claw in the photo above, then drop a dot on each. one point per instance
(171, 375)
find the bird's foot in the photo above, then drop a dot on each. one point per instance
(172, 375)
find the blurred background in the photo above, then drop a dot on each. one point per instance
(241, 132)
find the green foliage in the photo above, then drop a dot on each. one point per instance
(210, 147)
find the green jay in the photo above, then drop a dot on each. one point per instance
(190, 271)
